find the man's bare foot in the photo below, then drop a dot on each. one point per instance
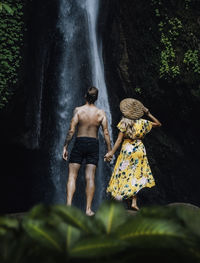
(90, 213)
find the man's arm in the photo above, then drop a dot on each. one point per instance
(104, 125)
(70, 133)
(109, 155)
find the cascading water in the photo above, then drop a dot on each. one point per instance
(81, 16)
(79, 65)
(92, 9)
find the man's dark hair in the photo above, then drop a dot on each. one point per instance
(91, 95)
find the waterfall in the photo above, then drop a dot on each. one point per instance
(75, 65)
(92, 9)
(82, 65)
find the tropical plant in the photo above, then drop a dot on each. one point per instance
(65, 234)
(179, 41)
(6, 7)
(11, 42)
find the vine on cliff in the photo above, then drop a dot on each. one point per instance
(11, 42)
(179, 42)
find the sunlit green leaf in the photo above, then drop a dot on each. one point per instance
(191, 218)
(75, 217)
(38, 211)
(7, 8)
(97, 246)
(152, 232)
(69, 234)
(40, 232)
(8, 222)
(111, 215)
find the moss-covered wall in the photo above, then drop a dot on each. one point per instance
(139, 62)
(11, 43)
(151, 52)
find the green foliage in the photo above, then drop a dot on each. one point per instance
(11, 40)
(168, 65)
(75, 218)
(179, 41)
(4, 6)
(191, 58)
(59, 233)
(107, 214)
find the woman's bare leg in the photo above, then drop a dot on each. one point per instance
(134, 203)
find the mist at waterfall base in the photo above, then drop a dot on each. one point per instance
(66, 60)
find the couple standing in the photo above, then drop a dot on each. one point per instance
(131, 172)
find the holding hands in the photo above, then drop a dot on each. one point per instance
(108, 157)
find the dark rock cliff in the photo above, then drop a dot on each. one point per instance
(131, 64)
(18, 156)
(131, 68)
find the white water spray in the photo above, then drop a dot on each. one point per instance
(92, 10)
(80, 66)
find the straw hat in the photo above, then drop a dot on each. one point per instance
(132, 108)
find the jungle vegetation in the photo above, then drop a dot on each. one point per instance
(58, 233)
(171, 34)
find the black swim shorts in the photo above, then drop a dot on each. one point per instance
(85, 148)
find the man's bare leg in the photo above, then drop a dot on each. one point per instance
(71, 183)
(90, 187)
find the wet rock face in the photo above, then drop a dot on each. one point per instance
(129, 42)
(18, 184)
(131, 63)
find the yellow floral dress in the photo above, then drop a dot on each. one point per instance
(132, 171)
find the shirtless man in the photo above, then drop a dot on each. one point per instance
(88, 118)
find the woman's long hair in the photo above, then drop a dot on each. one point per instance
(128, 124)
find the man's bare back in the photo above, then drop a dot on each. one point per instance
(89, 120)
(86, 119)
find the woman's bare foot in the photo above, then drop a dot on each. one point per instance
(135, 207)
(134, 203)
(89, 212)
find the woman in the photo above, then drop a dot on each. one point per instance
(132, 171)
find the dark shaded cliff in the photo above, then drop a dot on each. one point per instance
(131, 42)
(18, 156)
(132, 60)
